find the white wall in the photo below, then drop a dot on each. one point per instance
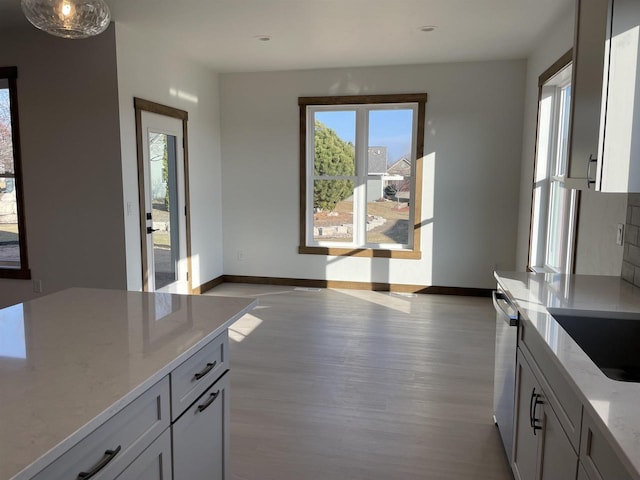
(472, 162)
(67, 99)
(597, 252)
(151, 72)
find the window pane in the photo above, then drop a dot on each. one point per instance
(333, 210)
(558, 226)
(389, 166)
(9, 234)
(388, 217)
(164, 192)
(390, 138)
(6, 143)
(334, 143)
(563, 131)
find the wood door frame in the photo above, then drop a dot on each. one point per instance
(140, 105)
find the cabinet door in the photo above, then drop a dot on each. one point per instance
(201, 436)
(525, 454)
(582, 475)
(559, 460)
(586, 88)
(619, 170)
(599, 457)
(152, 464)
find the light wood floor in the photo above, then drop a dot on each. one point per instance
(347, 384)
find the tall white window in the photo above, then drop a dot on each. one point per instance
(361, 164)
(554, 211)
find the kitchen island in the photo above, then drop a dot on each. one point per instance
(72, 361)
(600, 417)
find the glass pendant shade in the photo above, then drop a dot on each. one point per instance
(68, 18)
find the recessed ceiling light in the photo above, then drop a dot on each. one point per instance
(263, 38)
(427, 28)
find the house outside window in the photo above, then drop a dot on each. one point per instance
(13, 250)
(361, 175)
(555, 207)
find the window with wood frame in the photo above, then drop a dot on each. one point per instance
(554, 209)
(13, 244)
(361, 175)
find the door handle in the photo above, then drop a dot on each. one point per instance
(591, 161)
(151, 230)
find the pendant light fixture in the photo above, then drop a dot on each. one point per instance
(68, 18)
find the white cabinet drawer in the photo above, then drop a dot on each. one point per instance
(197, 373)
(597, 456)
(562, 398)
(116, 443)
(201, 436)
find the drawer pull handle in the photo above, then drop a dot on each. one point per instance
(206, 370)
(533, 405)
(533, 396)
(210, 400)
(108, 456)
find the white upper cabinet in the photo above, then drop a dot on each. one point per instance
(586, 85)
(619, 170)
(605, 120)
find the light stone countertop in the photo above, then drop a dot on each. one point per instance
(615, 404)
(71, 360)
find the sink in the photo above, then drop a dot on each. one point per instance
(610, 339)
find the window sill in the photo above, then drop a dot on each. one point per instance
(361, 252)
(15, 273)
(542, 270)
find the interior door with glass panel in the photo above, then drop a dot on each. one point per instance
(165, 212)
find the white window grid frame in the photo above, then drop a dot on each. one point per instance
(555, 176)
(361, 176)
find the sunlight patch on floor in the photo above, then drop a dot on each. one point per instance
(382, 299)
(243, 327)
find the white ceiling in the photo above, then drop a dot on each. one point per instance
(333, 33)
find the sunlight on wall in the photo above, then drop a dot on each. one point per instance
(428, 216)
(428, 184)
(349, 86)
(242, 328)
(183, 95)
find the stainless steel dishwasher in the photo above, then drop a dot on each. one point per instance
(505, 368)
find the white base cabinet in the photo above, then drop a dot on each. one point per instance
(555, 437)
(108, 451)
(152, 464)
(597, 457)
(201, 436)
(542, 450)
(141, 442)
